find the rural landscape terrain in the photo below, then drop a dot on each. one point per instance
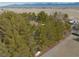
(38, 31)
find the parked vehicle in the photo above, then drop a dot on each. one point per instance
(75, 29)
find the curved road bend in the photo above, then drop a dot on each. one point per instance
(66, 48)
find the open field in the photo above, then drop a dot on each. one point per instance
(71, 11)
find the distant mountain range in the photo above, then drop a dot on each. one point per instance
(42, 4)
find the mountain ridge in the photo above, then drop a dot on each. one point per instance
(45, 4)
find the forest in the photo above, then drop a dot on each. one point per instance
(23, 34)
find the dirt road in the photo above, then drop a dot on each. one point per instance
(67, 48)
